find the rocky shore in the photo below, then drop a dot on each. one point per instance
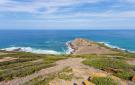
(83, 46)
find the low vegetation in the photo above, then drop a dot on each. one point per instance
(44, 80)
(25, 64)
(40, 80)
(124, 74)
(28, 63)
(65, 74)
(104, 81)
(115, 65)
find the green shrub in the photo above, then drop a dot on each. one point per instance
(104, 63)
(25, 65)
(104, 81)
(124, 75)
(65, 74)
(125, 54)
(40, 80)
(119, 67)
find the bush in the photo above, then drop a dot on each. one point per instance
(40, 80)
(25, 65)
(104, 63)
(104, 81)
(124, 75)
(119, 67)
(66, 74)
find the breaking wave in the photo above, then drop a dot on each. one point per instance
(32, 50)
(69, 50)
(116, 47)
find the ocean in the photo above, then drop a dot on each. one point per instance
(54, 41)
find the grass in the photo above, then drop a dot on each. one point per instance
(44, 80)
(104, 81)
(40, 80)
(26, 64)
(117, 66)
(124, 75)
(124, 54)
(65, 74)
(103, 63)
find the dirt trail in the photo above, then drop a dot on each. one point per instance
(79, 70)
(82, 72)
(131, 61)
(7, 59)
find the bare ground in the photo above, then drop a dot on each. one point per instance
(131, 61)
(7, 59)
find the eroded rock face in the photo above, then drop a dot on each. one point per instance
(83, 46)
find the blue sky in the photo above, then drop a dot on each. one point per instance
(67, 14)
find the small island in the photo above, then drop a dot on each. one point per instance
(90, 63)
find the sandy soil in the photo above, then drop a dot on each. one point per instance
(131, 61)
(1, 53)
(7, 59)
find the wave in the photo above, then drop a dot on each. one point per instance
(115, 47)
(69, 50)
(32, 50)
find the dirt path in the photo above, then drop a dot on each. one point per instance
(82, 72)
(131, 61)
(79, 70)
(7, 59)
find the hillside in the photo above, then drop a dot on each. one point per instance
(100, 65)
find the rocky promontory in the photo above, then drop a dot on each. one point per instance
(84, 46)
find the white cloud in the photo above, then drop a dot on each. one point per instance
(46, 10)
(88, 16)
(52, 6)
(33, 6)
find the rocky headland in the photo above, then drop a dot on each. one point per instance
(84, 46)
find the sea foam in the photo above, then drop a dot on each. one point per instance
(115, 47)
(32, 50)
(69, 50)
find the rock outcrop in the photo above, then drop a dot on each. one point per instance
(83, 46)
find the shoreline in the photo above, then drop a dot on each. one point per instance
(116, 47)
(70, 49)
(31, 50)
(104, 43)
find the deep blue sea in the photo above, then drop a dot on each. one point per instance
(54, 41)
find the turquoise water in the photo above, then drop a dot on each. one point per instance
(53, 41)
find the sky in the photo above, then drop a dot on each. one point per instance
(67, 14)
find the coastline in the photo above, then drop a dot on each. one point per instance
(106, 64)
(104, 43)
(116, 47)
(70, 49)
(31, 50)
